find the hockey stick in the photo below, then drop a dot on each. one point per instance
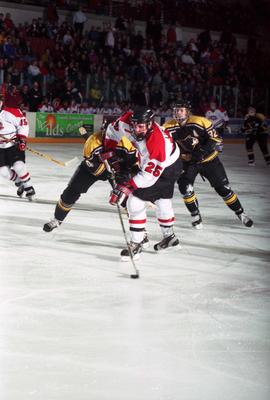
(137, 273)
(48, 157)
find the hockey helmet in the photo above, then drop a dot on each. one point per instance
(181, 111)
(141, 121)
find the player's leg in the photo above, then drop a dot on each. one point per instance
(137, 222)
(165, 217)
(17, 161)
(249, 142)
(185, 185)
(214, 171)
(79, 183)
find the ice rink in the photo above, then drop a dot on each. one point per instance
(74, 326)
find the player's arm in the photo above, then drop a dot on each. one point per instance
(116, 130)
(20, 123)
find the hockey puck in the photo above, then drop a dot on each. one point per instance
(134, 276)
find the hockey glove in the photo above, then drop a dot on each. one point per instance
(120, 194)
(21, 145)
(112, 159)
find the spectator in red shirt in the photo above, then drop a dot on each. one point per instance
(8, 23)
(13, 98)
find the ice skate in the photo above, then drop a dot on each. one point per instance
(145, 242)
(135, 248)
(245, 220)
(196, 221)
(251, 163)
(167, 242)
(20, 189)
(29, 193)
(51, 225)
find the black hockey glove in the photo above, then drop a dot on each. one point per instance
(112, 159)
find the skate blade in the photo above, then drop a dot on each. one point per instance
(127, 258)
(170, 249)
(30, 198)
(197, 227)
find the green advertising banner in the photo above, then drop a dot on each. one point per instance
(61, 125)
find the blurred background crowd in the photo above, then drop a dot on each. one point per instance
(47, 65)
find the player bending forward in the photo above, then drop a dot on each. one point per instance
(159, 168)
(14, 130)
(91, 170)
(197, 140)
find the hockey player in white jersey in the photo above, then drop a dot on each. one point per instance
(219, 118)
(14, 130)
(159, 168)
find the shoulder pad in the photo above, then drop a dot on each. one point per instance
(260, 116)
(15, 111)
(172, 123)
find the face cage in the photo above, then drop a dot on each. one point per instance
(176, 116)
(140, 136)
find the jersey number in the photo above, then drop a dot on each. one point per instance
(154, 169)
(23, 121)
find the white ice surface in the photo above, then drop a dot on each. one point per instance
(74, 326)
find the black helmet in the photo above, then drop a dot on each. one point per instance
(182, 111)
(183, 104)
(142, 117)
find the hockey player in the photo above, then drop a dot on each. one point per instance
(93, 169)
(159, 168)
(255, 129)
(219, 118)
(14, 130)
(197, 140)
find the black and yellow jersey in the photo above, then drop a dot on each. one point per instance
(254, 124)
(93, 147)
(197, 139)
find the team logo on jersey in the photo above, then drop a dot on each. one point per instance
(89, 164)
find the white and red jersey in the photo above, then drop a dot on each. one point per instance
(13, 124)
(219, 117)
(155, 153)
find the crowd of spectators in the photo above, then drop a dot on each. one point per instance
(57, 67)
(235, 15)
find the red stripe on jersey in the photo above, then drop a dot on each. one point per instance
(110, 144)
(25, 176)
(166, 220)
(137, 221)
(132, 183)
(155, 144)
(15, 111)
(126, 117)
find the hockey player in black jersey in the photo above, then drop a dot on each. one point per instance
(197, 140)
(92, 169)
(255, 129)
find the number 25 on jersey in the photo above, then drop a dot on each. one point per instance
(153, 169)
